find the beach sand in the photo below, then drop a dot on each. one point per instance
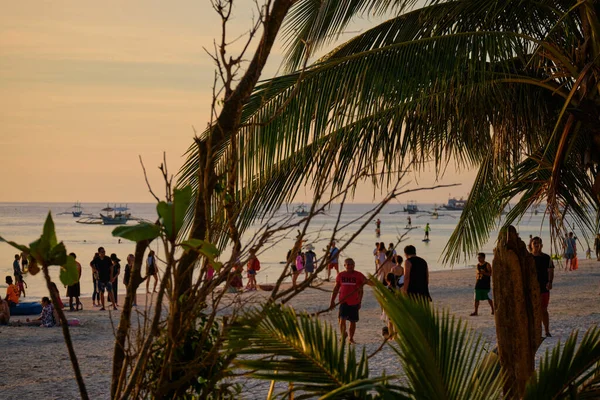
(36, 362)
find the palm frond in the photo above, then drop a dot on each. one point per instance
(441, 357)
(568, 368)
(277, 344)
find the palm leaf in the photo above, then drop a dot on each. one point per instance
(568, 368)
(277, 344)
(441, 357)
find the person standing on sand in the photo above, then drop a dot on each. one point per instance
(17, 268)
(409, 225)
(483, 284)
(252, 268)
(310, 260)
(96, 293)
(334, 254)
(375, 250)
(114, 281)
(398, 271)
(427, 230)
(597, 246)
(75, 289)
(24, 261)
(569, 251)
(416, 274)
(22, 285)
(151, 270)
(103, 265)
(545, 275)
(349, 285)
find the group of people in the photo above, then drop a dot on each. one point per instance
(412, 279)
(106, 271)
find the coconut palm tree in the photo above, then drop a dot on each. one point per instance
(441, 358)
(509, 87)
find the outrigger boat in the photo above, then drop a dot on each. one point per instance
(411, 207)
(113, 216)
(455, 204)
(76, 210)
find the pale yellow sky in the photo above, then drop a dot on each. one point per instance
(86, 87)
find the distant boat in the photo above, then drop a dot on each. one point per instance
(75, 210)
(115, 215)
(455, 204)
(411, 207)
(301, 211)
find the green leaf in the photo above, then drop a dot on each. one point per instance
(57, 255)
(137, 233)
(49, 234)
(173, 214)
(21, 247)
(69, 274)
(207, 249)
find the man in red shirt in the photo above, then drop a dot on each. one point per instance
(349, 284)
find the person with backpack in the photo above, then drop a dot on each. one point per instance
(253, 267)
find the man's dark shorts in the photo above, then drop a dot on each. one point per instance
(349, 313)
(104, 286)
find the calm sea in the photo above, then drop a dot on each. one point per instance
(23, 222)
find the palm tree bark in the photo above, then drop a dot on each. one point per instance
(517, 310)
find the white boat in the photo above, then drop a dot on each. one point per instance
(455, 204)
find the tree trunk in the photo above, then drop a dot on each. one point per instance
(517, 310)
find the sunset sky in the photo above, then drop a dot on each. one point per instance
(87, 87)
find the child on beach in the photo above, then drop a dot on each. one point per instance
(388, 331)
(22, 285)
(299, 267)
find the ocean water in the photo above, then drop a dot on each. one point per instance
(23, 222)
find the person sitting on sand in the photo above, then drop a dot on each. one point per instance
(46, 319)
(12, 292)
(4, 312)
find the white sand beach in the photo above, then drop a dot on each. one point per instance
(37, 365)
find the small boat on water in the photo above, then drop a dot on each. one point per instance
(455, 204)
(115, 215)
(112, 216)
(301, 211)
(76, 210)
(411, 207)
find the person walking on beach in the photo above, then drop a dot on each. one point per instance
(22, 285)
(334, 254)
(299, 264)
(409, 225)
(427, 230)
(597, 246)
(416, 274)
(569, 251)
(115, 277)
(545, 275)
(349, 285)
(381, 257)
(151, 270)
(96, 293)
(17, 268)
(375, 251)
(74, 290)
(127, 275)
(103, 265)
(483, 284)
